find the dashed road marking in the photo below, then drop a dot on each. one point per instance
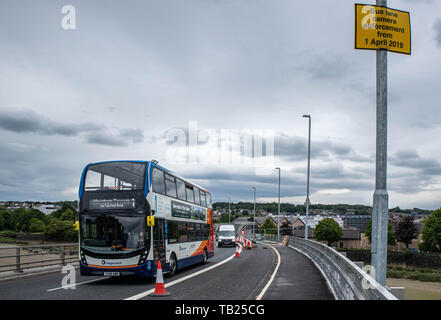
(77, 284)
(262, 293)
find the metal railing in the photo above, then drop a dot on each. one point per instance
(27, 257)
(346, 280)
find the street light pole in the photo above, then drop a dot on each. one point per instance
(381, 197)
(254, 219)
(278, 211)
(307, 181)
(229, 209)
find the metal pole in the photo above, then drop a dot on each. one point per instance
(229, 209)
(307, 180)
(254, 211)
(63, 261)
(381, 198)
(17, 260)
(278, 211)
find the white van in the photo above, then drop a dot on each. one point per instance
(227, 235)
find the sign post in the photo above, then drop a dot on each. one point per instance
(382, 29)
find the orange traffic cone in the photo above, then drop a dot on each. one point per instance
(237, 252)
(159, 286)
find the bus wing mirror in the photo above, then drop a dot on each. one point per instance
(150, 221)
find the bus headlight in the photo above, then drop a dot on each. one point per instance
(143, 257)
(83, 258)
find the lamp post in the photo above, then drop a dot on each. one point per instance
(229, 209)
(254, 211)
(278, 211)
(307, 181)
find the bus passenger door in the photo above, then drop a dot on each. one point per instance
(159, 243)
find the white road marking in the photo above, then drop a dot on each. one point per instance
(260, 296)
(77, 284)
(146, 293)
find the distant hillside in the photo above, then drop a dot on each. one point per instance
(292, 208)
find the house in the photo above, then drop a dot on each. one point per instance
(357, 221)
(350, 238)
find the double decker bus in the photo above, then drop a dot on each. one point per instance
(118, 203)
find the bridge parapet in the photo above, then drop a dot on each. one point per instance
(345, 279)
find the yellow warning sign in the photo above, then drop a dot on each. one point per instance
(378, 27)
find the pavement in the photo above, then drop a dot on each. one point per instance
(297, 279)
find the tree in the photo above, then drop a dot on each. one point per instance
(36, 225)
(64, 206)
(406, 230)
(268, 227)
(225, 217)
(68, 215)
(2, 222)
(60, 230)
(21, 217)
(390, 233)
(8, 223)
(431, 233)
(328, 230)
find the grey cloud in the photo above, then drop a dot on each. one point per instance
(27, 121)
(33, 173)
(295, 148)
(437, 27)
(412, 160)
(238, 183)
(292, 148)
(107, 140)
(123, 139)
(322, 67)
(418, 1)
(134, 135)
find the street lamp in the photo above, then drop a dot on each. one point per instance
(229, 209)
(254, 211)
(307, 181)
(278, 211)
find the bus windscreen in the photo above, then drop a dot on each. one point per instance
(110, 233)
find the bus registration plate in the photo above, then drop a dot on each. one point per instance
(113, 274)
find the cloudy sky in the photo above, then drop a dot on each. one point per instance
(134, 73)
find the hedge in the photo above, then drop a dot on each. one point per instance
(416, 259)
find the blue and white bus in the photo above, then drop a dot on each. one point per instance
(116, 198)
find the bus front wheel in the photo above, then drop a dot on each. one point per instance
(173, 264)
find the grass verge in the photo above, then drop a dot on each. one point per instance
(425, 275)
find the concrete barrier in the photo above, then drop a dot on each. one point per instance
(346, 280)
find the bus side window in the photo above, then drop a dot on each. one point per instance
(208, 200)
(203, 201)
(170, 186)
(181, 189)
(201, 232)
(183, 237)
(172, 231)
(158, 181)
(197, 196)
(189, 192)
